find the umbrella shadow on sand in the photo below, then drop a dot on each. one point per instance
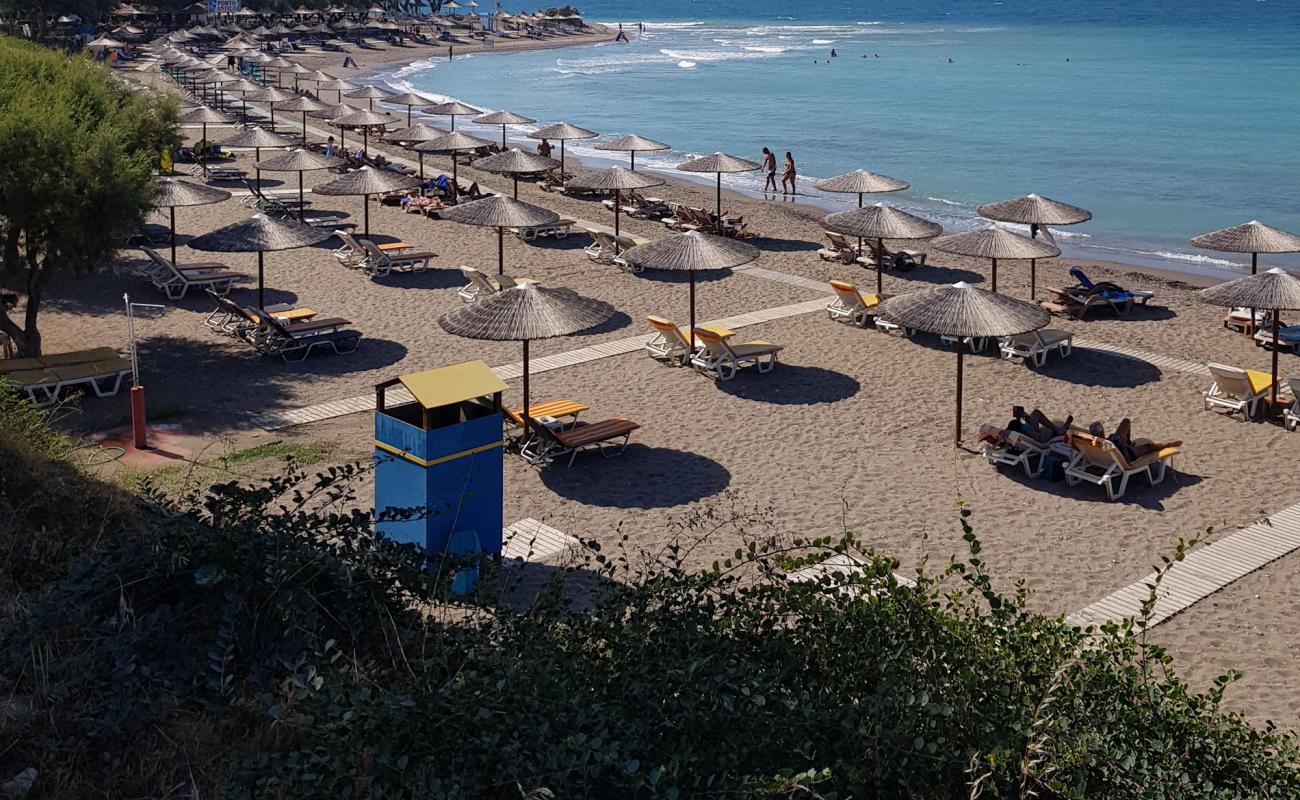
(668, 276)
(619, 321)
(930, 273)
(640, 477)
(791, 385)
(1088, 367)
(1139, 492)
(434, 278)
(769, 244)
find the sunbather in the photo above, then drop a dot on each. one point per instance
(1036, 425)
(473, 192)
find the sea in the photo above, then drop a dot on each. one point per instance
(1165, 118)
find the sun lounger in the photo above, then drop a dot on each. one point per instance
(295, 341)
(43, 379)
(669, 342)
(565, 411)
(853, 305)
(547, 444)
(605, 247)
(481, 284)
(175, 282)
(1247, 320)
(380, 262)
(1236, 389)
(1099, 461)
(838, 249)
(230, 319)
(1139, 296)
(1287, 338)
(724, 359)
(1014, 449)
(1291, 414)
(1035, 345)
(559, 229)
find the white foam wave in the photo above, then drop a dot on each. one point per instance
(1171, 255)
(416, 67)
(763, 48)
(945, 201)
(823, 41)
(687, 64)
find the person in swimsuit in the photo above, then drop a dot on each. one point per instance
(769, 164)
(788, 177)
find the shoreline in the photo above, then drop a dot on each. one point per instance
(1131, 257)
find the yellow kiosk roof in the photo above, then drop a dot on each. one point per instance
(447, 386)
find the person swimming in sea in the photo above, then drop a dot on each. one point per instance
(834, 54)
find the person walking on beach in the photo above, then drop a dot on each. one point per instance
(769, 166)
(544, 148)
(789, 176)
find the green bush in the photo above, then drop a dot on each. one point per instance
(259, 642)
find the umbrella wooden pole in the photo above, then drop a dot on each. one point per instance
(880, 267)
(302, 214)
(365, 142)
(365, 212)
(261, 283)
(453, 122)
(501, 251)
(526, 416)
(304, 129)
(172, 211)
(516, 179)
(1276, 324)
(408, 116)
(961, 348)
(860, 246)
(1254, 268)
(420, 154)
(257, 158)
(633, 154)
(719, 220)
(692, 336)
(503, 136)
(561, 159)
(995, 276)
(455, 181)
(618, 199)
(1033, 265)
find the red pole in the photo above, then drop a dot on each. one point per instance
(139, 427)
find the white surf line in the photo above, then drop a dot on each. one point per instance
(279, 420)
(1201, 573)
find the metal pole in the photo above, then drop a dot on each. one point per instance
(961, 346)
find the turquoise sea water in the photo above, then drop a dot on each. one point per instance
(1166, 119)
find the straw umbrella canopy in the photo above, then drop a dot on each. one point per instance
(453, 109)
(407, 99)
(616, 180)
(205, 116)
(304, 105)
(995, 243)
(1254, 237)
(523, 313)
(562, 132)
(260, 234)
(336, 85)
(453, 143)
(1037, 212)
(503, 118)
(861, 182)
(719, 163)
(515, 162)
(690, 252)
(363, 119)
(881, 222)
(632, 144)
(367, 181)
(418, 133)
(1274, 288)
(371, 93)
(242, 86)
(962, 311)
(500, 212)
(299, 161)
(271, 95)
(104, 43)
(173, 192)
(257, 138)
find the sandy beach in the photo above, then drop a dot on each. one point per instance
(852, 431)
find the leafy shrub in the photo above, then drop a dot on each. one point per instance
(264, 642)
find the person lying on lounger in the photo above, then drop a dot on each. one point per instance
(1037, 425)
(473, 192)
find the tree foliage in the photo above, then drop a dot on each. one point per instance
(263, 642)
(77, 154)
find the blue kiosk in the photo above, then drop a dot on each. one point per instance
(442, 455)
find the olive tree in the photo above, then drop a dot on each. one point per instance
(77, 153)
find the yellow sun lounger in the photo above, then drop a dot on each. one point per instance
(851, 304)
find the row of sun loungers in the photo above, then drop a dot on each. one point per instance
(553, 431)
(378, 260)
(606, 247)
(175, 282)
(686, 218)
(856, 307)
(713, 352)
(43, 379)
(284, 331)
(840, 249)
(1086, 458)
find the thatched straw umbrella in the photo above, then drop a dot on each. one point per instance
(690, 252)
(500, 212)
(174, 192)
(523, 313)
(363, 119)
(304, 105)
(454, 142)
(515, 162)
(338, 85)
(962, 311)
(995, 243)
(365, 182)
(562, 132)
(270, 95)
(881, 222)
(205, 116)
(1275, 289)
(416, 134)
(242, 86)
(861, 182)
(453, 109)
(1037, 212)
(371, 93)
(299, 161)
(616, 180)
(260, 234)
(407, 99)
(632, 144)
(719, 163)
(1254, 237)
(256, 139)
(503, 118)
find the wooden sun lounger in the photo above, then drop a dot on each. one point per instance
(547, 444)
(43, 378)
(175, 281)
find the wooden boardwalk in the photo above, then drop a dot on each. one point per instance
(1202, 572)
(530, 540)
